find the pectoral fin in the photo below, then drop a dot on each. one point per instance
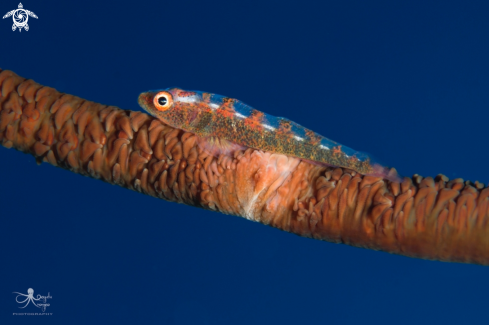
(217, 146)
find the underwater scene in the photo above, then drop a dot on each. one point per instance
(311, 95)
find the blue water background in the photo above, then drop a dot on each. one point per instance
(407, 82)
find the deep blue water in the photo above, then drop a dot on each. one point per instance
(406, 82)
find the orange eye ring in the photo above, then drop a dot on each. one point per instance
(163, 101)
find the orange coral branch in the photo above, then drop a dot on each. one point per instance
(420, 217)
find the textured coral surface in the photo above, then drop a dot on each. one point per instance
(432, 218)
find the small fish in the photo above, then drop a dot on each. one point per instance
(225, 124)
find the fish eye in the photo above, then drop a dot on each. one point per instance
(163, 101)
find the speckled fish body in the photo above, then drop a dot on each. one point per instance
(214, 116)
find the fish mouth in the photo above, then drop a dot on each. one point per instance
(145, 100)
